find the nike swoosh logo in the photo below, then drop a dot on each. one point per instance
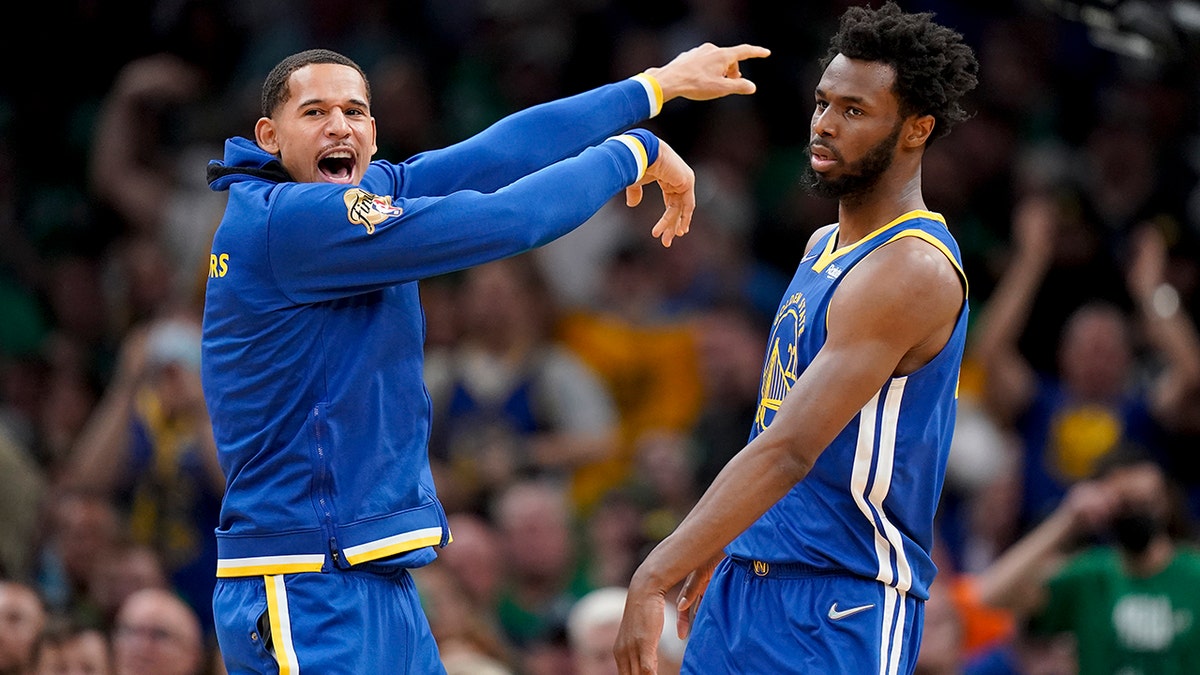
(835, 613)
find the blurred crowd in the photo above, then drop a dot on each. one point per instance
(586, 393)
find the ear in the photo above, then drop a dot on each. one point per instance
(917, 130)
(264, 134)
(374, 138)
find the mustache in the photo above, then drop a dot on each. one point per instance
(827, 149)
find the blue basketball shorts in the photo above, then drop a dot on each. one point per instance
(776, 618)
(342, 622)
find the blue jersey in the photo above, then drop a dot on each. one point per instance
(867, 506)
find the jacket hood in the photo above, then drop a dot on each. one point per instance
(243, 158)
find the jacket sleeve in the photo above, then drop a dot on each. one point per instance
(525, 141)
(328, 241)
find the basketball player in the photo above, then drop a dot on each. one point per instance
(820, 529)
(313, 335)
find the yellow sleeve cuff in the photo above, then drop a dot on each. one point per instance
(653, 91)
(639, 152)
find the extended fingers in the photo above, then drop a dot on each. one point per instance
(733, 70)
(676, 221)
(666, 227)
(746, 51)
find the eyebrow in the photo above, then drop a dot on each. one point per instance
(849, 98)
(314, 101)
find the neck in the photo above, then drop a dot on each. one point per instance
(897, 192)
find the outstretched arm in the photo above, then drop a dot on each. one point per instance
(543, 134)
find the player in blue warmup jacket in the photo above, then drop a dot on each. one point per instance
(313, 335)
(811, 548)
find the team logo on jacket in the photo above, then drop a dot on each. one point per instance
(368, 210)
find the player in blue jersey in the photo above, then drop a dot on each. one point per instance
(811, 548)
(313, 335)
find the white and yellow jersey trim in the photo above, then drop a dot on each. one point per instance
(639, 152)
(269, 564)
(653, 91)
(292, 564)
(382, 548)
(281, 626)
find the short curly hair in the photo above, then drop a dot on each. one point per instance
(934, 67)
(275, 88)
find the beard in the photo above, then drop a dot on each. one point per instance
(858, 177)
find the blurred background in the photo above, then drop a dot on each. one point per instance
(586, 393)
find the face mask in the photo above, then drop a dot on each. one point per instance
(1133, 530)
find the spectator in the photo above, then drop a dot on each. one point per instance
(1128, 599)
(119, 572)
(616, 533)
(470, 663)
(19, 503)
(509, 401)
(22, 618)
(1069, 419)
(142, 159)
(729, 341)
(544, 575)
(647, 359)
(463, 629)
(592, 629)
(665, 475)
(943, 638)
(473, 559)
(157, 632)
(80, 527)
(67, 648)
(148, 448)
(69, 391)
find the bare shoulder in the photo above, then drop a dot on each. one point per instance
(912, 273)
(907, 291)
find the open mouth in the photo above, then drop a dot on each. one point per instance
(337, 166)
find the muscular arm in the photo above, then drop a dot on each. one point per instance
(893, 310)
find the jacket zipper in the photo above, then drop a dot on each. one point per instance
(322, 498)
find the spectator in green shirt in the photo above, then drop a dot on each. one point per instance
(1114, 567)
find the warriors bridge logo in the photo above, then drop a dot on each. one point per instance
(782, 366)
(368, 210)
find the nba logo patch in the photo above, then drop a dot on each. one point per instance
(368, 210)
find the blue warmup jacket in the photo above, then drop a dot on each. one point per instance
(313, 331)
